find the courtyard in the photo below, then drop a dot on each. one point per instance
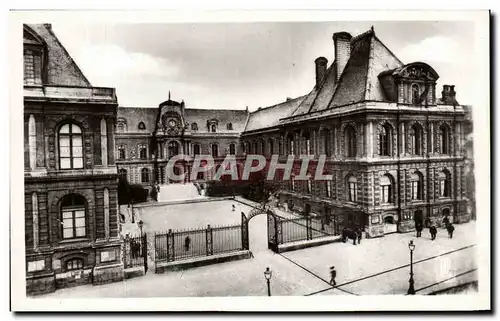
(376, 266)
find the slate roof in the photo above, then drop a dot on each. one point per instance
(270, 116)
(61, 68)
(237, 117)
(134, 115)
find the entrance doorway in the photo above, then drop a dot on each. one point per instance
(390, 224)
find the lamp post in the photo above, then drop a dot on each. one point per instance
(411, 289)
(140, 225)
(268, 274)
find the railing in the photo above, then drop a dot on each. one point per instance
(193, 243)
(134, 251)
(307, 228)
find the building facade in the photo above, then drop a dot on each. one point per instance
(70, 176)
(395, 149)
(147, 138)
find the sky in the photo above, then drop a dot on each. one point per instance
(234, 65)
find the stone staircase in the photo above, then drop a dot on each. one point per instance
(176, 192)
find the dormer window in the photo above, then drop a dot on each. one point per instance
(121, 125)
(213, 128)
(194, 126)
(229, 126)
(33, 66)
(212, 125)
(142, 126)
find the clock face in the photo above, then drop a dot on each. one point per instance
(172, 123)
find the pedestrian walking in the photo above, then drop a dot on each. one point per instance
(233, 207)
(333, 275)
(358, 234)
(446, 221)
(187, 243)
(433, 232)
(419, 227)
(450, 228)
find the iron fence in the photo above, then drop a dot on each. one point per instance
(134, 251)
(186, 244)
(308, 228)
(227, 239)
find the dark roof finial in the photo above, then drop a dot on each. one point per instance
(373, 30)
(169, 95)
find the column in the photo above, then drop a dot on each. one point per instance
(403, 141)
(431, 138)
(34, 199)
(104, 143)
(106, 213)
(32, 141)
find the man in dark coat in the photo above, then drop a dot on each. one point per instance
(333, 275)
(446, 221)
(450, 228)
(433, 231)
(419, 228)
(358, 234)
(187, 243)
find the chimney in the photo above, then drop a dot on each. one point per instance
(321, 63)
(288, 98)
(448, 95)
(342, 45)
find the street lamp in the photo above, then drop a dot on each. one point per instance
(411, 289)
(268, 274)
(140, 225)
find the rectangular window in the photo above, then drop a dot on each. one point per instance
(36, 265)
(352, 192)
(73, 223)
(328, 188)
(108, 256)
(143, 152)
(386, 194)
(415, 190)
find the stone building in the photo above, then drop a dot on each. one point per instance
(395, 147)
(147, 138)
(70, 174)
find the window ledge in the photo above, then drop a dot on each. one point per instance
(75, 240)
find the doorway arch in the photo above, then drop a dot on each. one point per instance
(270, 219)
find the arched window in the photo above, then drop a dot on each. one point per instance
(70, 147)
(197, 149)
(444, 179)
(215, 150)
(350, 141)
(145, 175)
(194, 126)
(444, 139)
(229, 126)
(416, 181)
(415, 94)
(74, 264)
(143, 151)
(142, 126)
(122, 172)
(121, 152)
(386, 189)
(173, 148)
(385, 137)
(213, 128)
(73, 216)
(290, 145)
(352, 188)
(416, 133)
(232, 149)
(326, 142)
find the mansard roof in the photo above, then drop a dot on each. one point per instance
(237, 117)
(270, 116)
(61, 69)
